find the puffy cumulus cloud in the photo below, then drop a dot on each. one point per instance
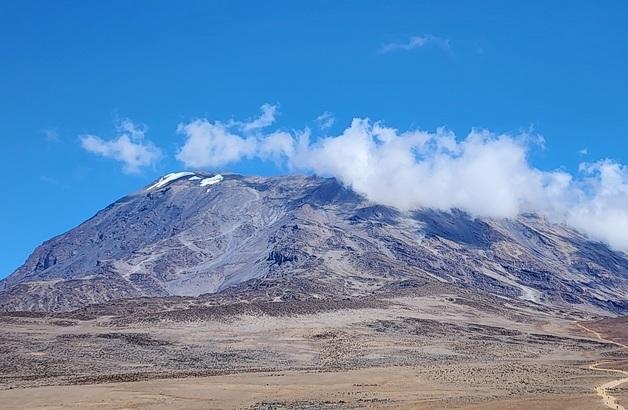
(212, 145)
(485, 174)
(601, 210)
(277, 146)
(130, 147)
(215, 144)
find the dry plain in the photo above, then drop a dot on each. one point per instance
(416, 349)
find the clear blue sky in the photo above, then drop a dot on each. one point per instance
(70, 68)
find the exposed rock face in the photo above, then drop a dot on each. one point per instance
(195, 234)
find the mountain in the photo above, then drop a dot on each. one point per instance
(306, 237)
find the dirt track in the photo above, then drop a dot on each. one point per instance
(603, 390)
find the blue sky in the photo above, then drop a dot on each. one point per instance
(73, 68)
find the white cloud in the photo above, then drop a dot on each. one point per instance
(417, 42)
(264, 120)
(51, 135)
(212, 145)
(325, 120)
(49, 180)
(278, 146)
(130, 147)
(602, 207)
(485, 174)
(215, 144)
(584, 151)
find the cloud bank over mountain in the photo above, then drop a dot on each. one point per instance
(483, 173)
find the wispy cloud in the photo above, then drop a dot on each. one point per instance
(325, 120)
(417, 42)
(51, 135)
(266, 118)
(130, 147)
(49, 180)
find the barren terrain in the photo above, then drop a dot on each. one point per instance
(414, 349)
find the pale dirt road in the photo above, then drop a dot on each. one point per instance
(610, 401)
(599, 336)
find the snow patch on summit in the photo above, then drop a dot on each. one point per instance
(212, 181)
(166, 179)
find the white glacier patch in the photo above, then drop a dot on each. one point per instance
(195, 178)
(166, 179)
(212, 181)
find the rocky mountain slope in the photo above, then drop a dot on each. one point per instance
(305, 237)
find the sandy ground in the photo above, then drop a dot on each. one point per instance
(370, 388)
(429, 351)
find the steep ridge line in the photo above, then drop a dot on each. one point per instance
(602, 390)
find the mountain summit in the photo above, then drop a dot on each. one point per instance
(191, 233)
